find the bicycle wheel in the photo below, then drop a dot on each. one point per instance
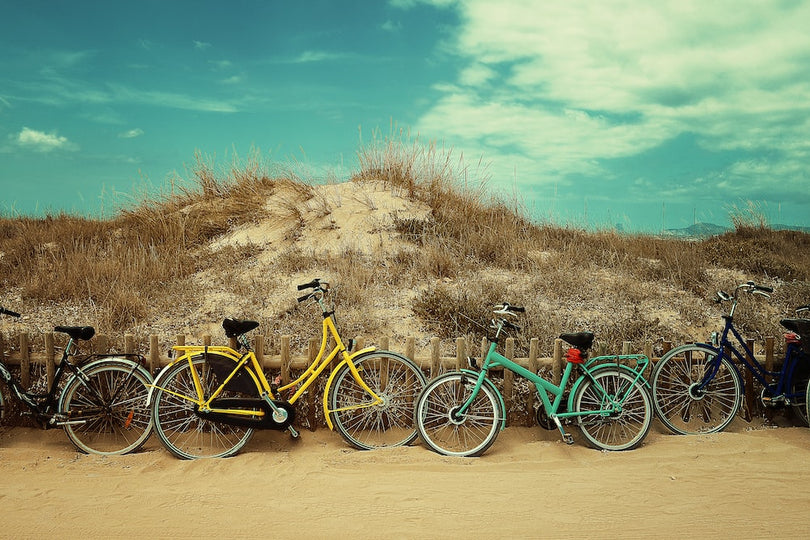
(681, 405)
(466, 436)
(106, 410)
(798, 387)
(395, 379)
(179, 428)
(623, 430)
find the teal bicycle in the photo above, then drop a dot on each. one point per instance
(460, 413)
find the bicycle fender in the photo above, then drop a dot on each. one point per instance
(326, 412)
(582, 378)
(492, 386)
(160, 374)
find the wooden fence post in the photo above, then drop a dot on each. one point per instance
(50, 365)
(769, 346)
(180, 340)
(314, 346)
(384, 343)
(434, 357)
(206, 340)
(25, 361)
(154, 354)
(750, 404)
(509, 380)
(129, 344)
(285, 360)
(461, 353)
(258, 349)
(534, 344)
(101, 344)
(556, 362)
(627, 347)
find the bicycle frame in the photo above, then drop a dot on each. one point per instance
(544, 387)
(263, 386)
(782, 376)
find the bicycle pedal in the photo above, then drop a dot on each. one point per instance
(568, 438)
(293, 432)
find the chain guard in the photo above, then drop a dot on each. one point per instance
(267, 421)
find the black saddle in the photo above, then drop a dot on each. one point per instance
(800, 326)
(580, 340)
(77, 332)
(237, 327)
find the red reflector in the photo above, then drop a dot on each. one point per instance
(574, 356)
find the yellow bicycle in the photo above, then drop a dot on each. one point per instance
(209, 401)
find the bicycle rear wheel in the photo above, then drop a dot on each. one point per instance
(397, 381)
(468, 435)
(624, 430)
(106, 410)
(798, 386)
(179, 428)
(681, 404)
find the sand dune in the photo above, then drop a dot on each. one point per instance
(746, 483)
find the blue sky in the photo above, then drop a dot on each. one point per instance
(644, 114)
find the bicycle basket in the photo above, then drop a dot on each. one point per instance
(241, 382)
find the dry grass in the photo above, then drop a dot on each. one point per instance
(154, 262)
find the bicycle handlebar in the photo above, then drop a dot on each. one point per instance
(507, 309)
(311, 285)
(4, 311)
(318, 287)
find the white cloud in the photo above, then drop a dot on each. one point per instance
(201, 45)
(561, 86)
(43, 142)
(131, 134)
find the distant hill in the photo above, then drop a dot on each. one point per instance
(698, 230)
(705, 230)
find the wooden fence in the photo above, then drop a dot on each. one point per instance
(520, 401)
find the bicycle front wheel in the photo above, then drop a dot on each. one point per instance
(468, 435)
(184, 433)
(396, 380)
(106, 411)
(623, 429)
(681, 404)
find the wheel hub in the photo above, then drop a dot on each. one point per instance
(453, 416)
(695, 392)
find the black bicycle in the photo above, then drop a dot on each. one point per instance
(102, 407)
(697, 388)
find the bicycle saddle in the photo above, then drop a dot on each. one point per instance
(580, 340)
(77, 332)
(237, 327)
(800, 326)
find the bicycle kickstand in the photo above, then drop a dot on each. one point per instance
(567, 438)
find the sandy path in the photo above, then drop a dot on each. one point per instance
(744, 484)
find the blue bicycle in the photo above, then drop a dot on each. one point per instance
(697, 388)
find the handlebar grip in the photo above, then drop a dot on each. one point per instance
(518, 309)
(4, 311)
(310, 285)
(302, 298)
(764, 289)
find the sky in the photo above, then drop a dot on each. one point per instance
(630, 114)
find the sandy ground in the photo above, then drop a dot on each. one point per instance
(745, 483)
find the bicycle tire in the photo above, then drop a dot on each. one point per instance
(624, 431)
(394, 378)
(469, 436)
(106, 409)
(181, 431)
(799, 380)
(679, 405)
